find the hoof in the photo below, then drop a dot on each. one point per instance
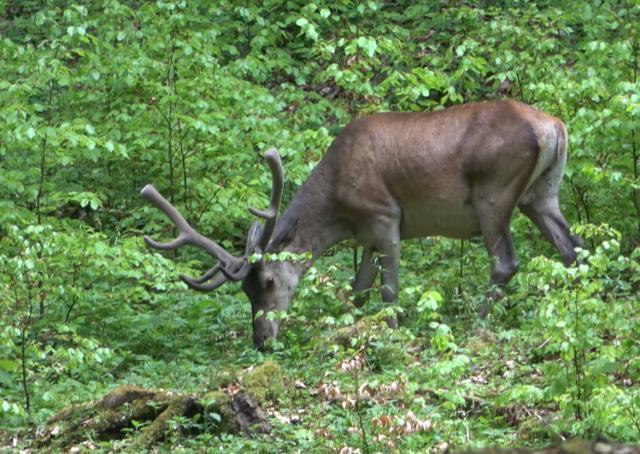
(360, 299)
(484, 311)
(493, 295)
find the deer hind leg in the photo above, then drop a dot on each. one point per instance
(494, 218)
(365, 277)
(497, 240)
(541, 204)
(546, 214)
(499, 245)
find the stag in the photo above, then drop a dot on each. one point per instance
(458, 172)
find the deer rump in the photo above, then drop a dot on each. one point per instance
(437, 170)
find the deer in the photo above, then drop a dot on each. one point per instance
(458, 172)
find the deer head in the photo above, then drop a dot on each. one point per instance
(268, 287)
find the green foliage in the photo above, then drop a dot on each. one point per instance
(581, 315)
(99, 98)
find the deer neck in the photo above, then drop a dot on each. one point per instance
(309, 223)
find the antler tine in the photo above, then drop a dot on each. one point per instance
(253, 238)
(200, 285)
(218, 279)
(187, 234)
(206, 276)
(270, 216)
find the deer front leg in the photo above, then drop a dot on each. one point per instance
(388, 245)
(365, 277)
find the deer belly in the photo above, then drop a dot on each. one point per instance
(455, 219)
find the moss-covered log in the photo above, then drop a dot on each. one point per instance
(127, 408)
(148, 415)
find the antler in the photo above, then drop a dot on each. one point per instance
(228, 267)
(277, 185)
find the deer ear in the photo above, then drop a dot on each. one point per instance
(286, 235)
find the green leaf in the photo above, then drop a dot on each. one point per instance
(367, 44)
(8, 365)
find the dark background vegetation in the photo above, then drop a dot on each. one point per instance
(98, 98)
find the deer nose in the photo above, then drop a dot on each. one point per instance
(259, 340)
